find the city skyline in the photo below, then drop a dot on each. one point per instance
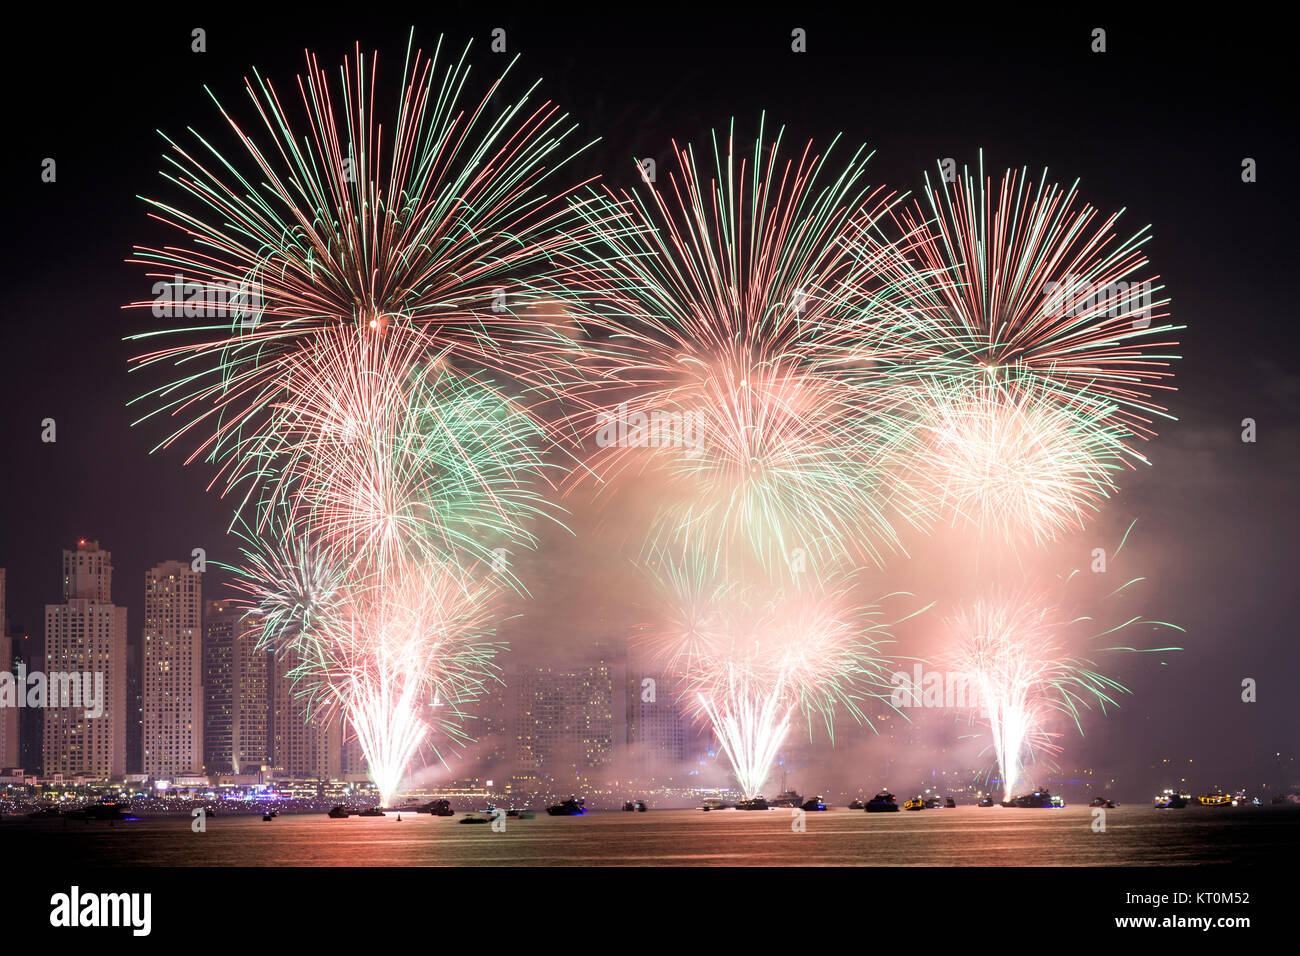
(553, 727)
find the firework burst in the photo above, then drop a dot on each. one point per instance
(390, 459)
(387, 492)
(1030, 662)
(1010, 649)
(1029, 280)
(751, 722)
(348, 271)
(329, 215)
(1012, 459)
(750, 656)
(380, 649)
(739, 304)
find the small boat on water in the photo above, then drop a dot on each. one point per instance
(267, 817)
(640, 806)
(815, 803)
(46, 813)
(571, 807)
(90, 813)
(714, 803)
(985, 802)
(438, 808)
(856, 804)
(372, 812)
(338, 813)
(108, 810)
(754, 803)
(916, 803)
(474, 818)
(1217, 799)
(1038, 800)
(520, 813)
(1105, 802)
(787, 798)
(882, 803)
(949, 803)
(629, 806)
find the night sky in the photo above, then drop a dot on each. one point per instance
(1160, 124)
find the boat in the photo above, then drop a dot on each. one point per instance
(46, 813)
(474, 818)
(338, 813)
(916, 803)
(856, 805)
(571, 807)
(985, 802)
(438, 808)
(629, 806)
(1217, 799)
(1102, 802)
(96, 811)
(640, 806)
(882, 803)
(814, 803)
(520, 813)
(949, 803)
(754, 803)
(1038, 800)
(714, 803)
(786, 798)
(932, 803)
(267, 817)
(372, 812)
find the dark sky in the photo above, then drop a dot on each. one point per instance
(1159, 124)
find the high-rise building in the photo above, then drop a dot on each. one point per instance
(172, 671)
(662, 742)
(134, 708)
(88, 573)
(564, 726)
(236, 679)
(354, 766)
(8, 714)
(27, 658)
(220, 627)
(252, 710)
(302, 745)
(85, 636)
